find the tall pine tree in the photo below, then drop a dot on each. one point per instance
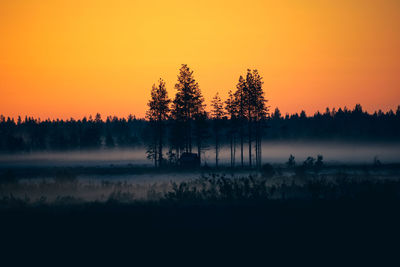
(188, 104)
(239, 102)
(217, 113)
(232, 112)
(157, 114)
(251, 109)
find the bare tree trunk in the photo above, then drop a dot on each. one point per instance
(160, 157)
(187, 137)
(241, 144)
(216, 144)
(256, 146)
(260, 150)
(249, 140)
(190, 132)
(234, 150)
(258, 138)
(231, 143)
(190, 136)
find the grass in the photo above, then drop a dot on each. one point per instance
(65, 187)
(325, 217)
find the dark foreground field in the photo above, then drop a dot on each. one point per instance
(322, 232)
(314, 219)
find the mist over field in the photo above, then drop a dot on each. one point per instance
(273, 152)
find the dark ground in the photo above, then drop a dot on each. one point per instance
(352, 223)
(321, 232)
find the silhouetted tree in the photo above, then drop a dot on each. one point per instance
(249, 98)
(319, 163)
(97, 118)
(291, 163)
(91, 132)
(188, 103)
(176, 137)
(276, 115)
(256, 111)
(157, 114)
(240, 102)
(303, 115)
(30, 134)
(309, 162)
(232, 111)
(217, 113)
(260, 114)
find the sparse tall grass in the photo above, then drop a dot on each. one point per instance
(266, 186)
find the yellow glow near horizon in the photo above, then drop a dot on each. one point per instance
(75, 58)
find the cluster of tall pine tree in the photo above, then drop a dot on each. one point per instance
(183, 125)
(245, 112)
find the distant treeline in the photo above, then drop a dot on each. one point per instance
(341, 124)
(183, 127)
(30, 134)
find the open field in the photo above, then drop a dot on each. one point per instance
(349, 216)
(326, 213)
(99, 184)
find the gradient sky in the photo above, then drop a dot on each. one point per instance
(75, 58)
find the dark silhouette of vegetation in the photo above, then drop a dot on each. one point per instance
(201, 132)
(189, 161)
(240, 102)
(187, 106)
(232, 113)
(218, 187)
(257, 112)
(185, 124)
(32, 134)
(157, 114)
(217, 114)
(291, 163)
(294, 214)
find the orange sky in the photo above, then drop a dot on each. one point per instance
(75, 58)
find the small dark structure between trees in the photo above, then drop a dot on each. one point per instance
(189, 160)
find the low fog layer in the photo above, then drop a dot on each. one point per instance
(276, 152)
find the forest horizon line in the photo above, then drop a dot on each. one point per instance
(131, 116)
(180, 128)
